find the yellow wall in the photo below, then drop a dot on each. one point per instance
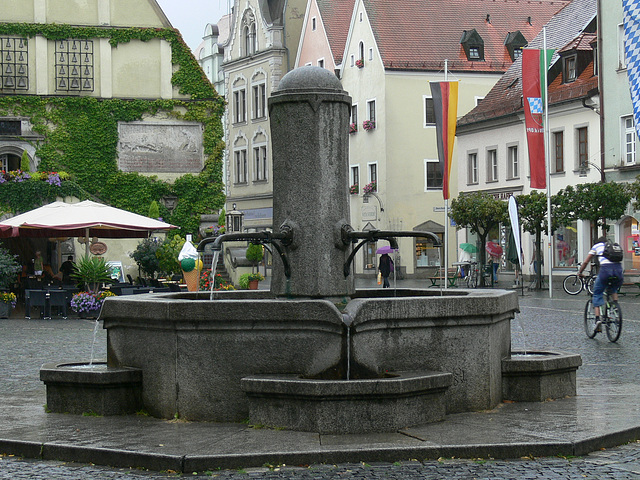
(73, 12)
(16, 11)
(136, 68)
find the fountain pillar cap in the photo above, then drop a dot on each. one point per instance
(309, 78)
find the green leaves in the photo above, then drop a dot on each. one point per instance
(92, 272)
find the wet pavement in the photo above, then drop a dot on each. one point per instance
(568, 438)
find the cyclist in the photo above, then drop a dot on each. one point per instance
(607, 269)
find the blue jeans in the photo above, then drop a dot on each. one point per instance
(606, 271)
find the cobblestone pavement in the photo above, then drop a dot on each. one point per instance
(542, 324)
(621, 463)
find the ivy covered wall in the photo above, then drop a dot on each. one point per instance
(80, 134)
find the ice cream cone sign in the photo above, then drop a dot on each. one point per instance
(191, 265)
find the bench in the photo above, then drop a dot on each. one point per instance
(452, 277)
(627, 285)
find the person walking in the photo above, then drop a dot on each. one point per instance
(385, 267)
(608, 269)
(67, 269)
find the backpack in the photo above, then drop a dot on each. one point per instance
(613, 252)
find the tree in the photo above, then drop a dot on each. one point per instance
(168, 255)
(254, 254)
(479, 212)
(145, 256)
(596, 202)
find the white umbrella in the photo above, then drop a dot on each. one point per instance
(83, 219)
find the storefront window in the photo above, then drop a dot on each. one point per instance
(630, 242)
(426, 254)
(370, 255)
(565, 252)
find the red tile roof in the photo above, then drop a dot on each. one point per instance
(421, 34)
(336, 17)
(505, 98)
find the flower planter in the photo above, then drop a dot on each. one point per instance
(5, 310)
(253, 284)
(91, 314)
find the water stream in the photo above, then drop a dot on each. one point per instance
(93, 343)
(520, 327)
(214, 264)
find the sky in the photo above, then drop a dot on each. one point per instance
(191, 16)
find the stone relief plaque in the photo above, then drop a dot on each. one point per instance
(160, 147)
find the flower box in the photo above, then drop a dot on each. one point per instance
(353, 127)
(359, 63)
(369, 124)
(370, 188)
(354, 189)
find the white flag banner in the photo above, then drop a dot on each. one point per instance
(515, 225)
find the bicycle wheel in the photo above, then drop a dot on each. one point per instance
(591, 282)
(572, 284)
(613, 320)
(473, 280)
(589, 319)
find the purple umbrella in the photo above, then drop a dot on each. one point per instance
(386, 249)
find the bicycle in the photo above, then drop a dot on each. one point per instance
(574, 284)
(472, 277)
(610, 314)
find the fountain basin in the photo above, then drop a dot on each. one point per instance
(82, 388)
(538, 376)
(401, 400)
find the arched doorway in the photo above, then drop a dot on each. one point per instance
(10, 158)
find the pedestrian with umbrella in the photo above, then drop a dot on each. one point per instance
(466, 249)
(385, 267)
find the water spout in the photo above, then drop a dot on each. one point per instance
(279, 240)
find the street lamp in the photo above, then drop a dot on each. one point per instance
(585, 166)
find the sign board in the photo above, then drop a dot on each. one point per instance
(369, 213)
(440, 209)
(117, 274)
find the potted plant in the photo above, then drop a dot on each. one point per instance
(254, 278)
(88, 304)
(370, 187)
(369, 124)
(9, 269)
(359, 63)
(353, 127)
(354, 189)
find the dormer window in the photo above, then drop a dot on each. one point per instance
(514, 43)
(472, 44)
(570, 69)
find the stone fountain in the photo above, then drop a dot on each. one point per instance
(314, 354)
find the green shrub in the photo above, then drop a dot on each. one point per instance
(255, 252)
(243, 281)
(92, 272)
(168, 255)
(9, 269)
(145, 256)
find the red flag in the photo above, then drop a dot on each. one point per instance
(533, 100)
(445, 107)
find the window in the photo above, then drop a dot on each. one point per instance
(370, 54)
(474, 53)
(622, 60)
(514, 164)
(361, 51)
(14, 55)
(321, 63)
(354, 174)
(249, 34)
(433, 175)
(583, 150)
(74, 65)
(373, 173)
(354, 113)
(240, 106)
(259, 101)
(260, 163)
(558, 153)
(4, 159)
(240, 160)
(472, 168)
(570, 69)
(477, 100)
(313, 23)
(566, 246)
(426, 254)
(517, 53)
(492, 165)
(353, 60)
(371, 109)
(629, 140)
(429, 112)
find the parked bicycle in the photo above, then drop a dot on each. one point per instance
(610, 315)
(471, 278)
(574, 284)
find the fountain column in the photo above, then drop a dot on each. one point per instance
(309, 116)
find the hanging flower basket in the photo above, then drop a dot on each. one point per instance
(353, 127)
(354, 189)
(359, 63)
(369, 124)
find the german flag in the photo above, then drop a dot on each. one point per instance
(445, 106)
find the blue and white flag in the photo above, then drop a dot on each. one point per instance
(535, 104)
(632, 53)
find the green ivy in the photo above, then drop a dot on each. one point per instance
(81, 134)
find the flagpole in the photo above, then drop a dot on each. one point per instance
(546, 157)
(446, 206)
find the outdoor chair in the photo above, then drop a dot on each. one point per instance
(58, 299)
(37, 298)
